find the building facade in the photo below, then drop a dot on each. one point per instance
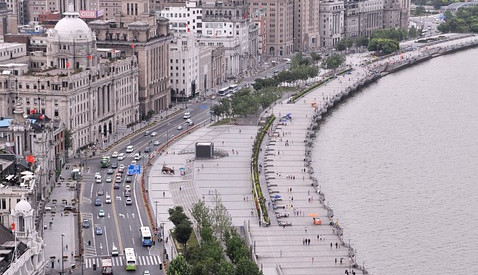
(138, 33)
(73, 83)
(331, 22)
(306, 25)
(279, 19)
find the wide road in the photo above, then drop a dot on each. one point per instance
(121, 222)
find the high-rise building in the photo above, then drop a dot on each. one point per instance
(306, 25)
(137, 32)
(279, 19)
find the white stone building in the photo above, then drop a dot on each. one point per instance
(27, 246)
(184, 62)
(91, 94)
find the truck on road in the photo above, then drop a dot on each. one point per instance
(106, 266)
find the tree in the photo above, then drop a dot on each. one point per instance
(177, 215)
(420, 10)
(179, 266)
(393, 34)
(413, 32)
(383, 45)
(260, 83)
(247, 267)
(226, 268)
(333, 62)
(182, 232)
(200, 213)
(244, 103)
(236, 249)
(315, 56)
(221, 220)
(361, 41)
(68, 139)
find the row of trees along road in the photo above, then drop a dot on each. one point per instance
(221, 250)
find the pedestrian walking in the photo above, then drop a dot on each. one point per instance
(331, 245)
(336, 246)
(312, 259)
(335, 260)
(281, 253)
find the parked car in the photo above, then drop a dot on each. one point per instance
(101, 213)
(86, 223)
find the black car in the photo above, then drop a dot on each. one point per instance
(114, 165)
(117, 186)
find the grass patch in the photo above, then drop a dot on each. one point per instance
(224, 121)
(192, 242)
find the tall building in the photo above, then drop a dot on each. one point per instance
(279, 19)
(138, 33)
(331, 22)
(371, 16)
(74, 82)
(306, 25)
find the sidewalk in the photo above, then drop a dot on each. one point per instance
(58, 222)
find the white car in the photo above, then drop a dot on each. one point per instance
(187, 115)
(180, 127)
(101, 213)
(114, 155)
(133, 162)
(127, 187)
(109, 179)
(156, 143)
(129, 149)
(114, 250)
(137, 156)
(108, 199)
(121, 156)
(153, 134)
(98, 178)
(129, 201)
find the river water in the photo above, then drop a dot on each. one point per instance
(398, 163)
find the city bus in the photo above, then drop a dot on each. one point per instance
(105, 161)
(223, 91)
(232, 88)
(130, 258)
(146, 237)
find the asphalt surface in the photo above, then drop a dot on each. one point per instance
(121, 222)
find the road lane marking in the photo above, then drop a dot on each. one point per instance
(106, 237)
(115, 217)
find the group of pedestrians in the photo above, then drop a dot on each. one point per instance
(305, 241)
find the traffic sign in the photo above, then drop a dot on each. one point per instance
(134, 169)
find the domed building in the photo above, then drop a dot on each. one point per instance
(71, 44)
(28, 249)
(93, 91)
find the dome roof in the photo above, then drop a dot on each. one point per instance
(71, 26)
(23, 206)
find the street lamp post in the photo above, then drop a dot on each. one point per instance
(62, 264)
(156, 213)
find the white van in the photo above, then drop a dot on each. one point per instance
(187, 115)
(129, 149)
(114, 251)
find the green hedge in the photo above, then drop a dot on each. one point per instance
(255, 168)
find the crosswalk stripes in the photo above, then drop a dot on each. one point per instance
(120, 261)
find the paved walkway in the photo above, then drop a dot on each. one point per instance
(229, 176)
(58, 222)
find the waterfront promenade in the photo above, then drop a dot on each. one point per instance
(278, 249)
